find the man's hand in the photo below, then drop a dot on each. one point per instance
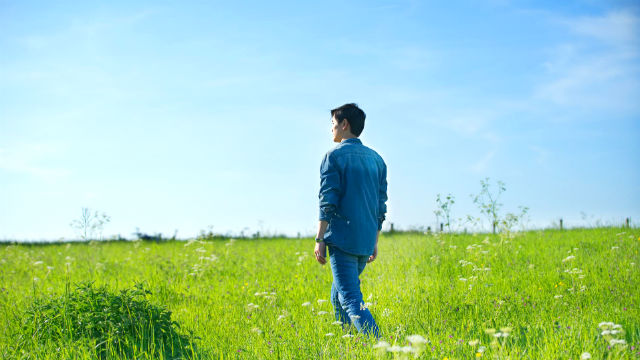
(374, 255)
(321, 252)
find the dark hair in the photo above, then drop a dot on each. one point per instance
(353, 114)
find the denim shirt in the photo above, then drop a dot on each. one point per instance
(353, 195)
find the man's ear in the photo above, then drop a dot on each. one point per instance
(345, 125)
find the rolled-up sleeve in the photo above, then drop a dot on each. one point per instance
(382, 196)
(329, 187)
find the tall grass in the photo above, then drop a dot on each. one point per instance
(244, 298)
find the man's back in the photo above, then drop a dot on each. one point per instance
(353, 192)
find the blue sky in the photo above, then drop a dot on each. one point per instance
(184, 115)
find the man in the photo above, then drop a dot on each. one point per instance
(353, 195)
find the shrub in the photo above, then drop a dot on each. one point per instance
(121, 324)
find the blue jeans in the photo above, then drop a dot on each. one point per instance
(346, 296)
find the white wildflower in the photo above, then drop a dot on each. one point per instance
(306, 303)
(394, 348)
(481, 269)
(406, 349)
(605, 324)
(617, 326)
(281, 317)
(381, 344)
(482, 349)
(201, 250)
(347, 336)
(557, 296)
(474, 342)
(614, 342)
(568, 258)
(37, 262)
(336, 323)
(322, 313)
(464, 263)
(321, 301)
(462, 279)
(416, 339)
(585, 356)
(256, 330)
(328, 334)
(605, 332)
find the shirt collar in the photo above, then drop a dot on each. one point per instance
(352, 140)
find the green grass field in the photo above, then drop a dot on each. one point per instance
(545, 292)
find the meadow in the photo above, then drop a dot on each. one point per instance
(545, 294)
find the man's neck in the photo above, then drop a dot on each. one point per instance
(349, 136)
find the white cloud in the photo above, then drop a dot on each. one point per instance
(599, 68)
(482, 164)
(619, 28)
(541, 154)
(30, 159)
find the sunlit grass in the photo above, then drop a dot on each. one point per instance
(541, 294)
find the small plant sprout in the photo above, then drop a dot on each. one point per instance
(444, 209)
(88, 225)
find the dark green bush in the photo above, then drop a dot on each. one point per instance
(123, 324)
